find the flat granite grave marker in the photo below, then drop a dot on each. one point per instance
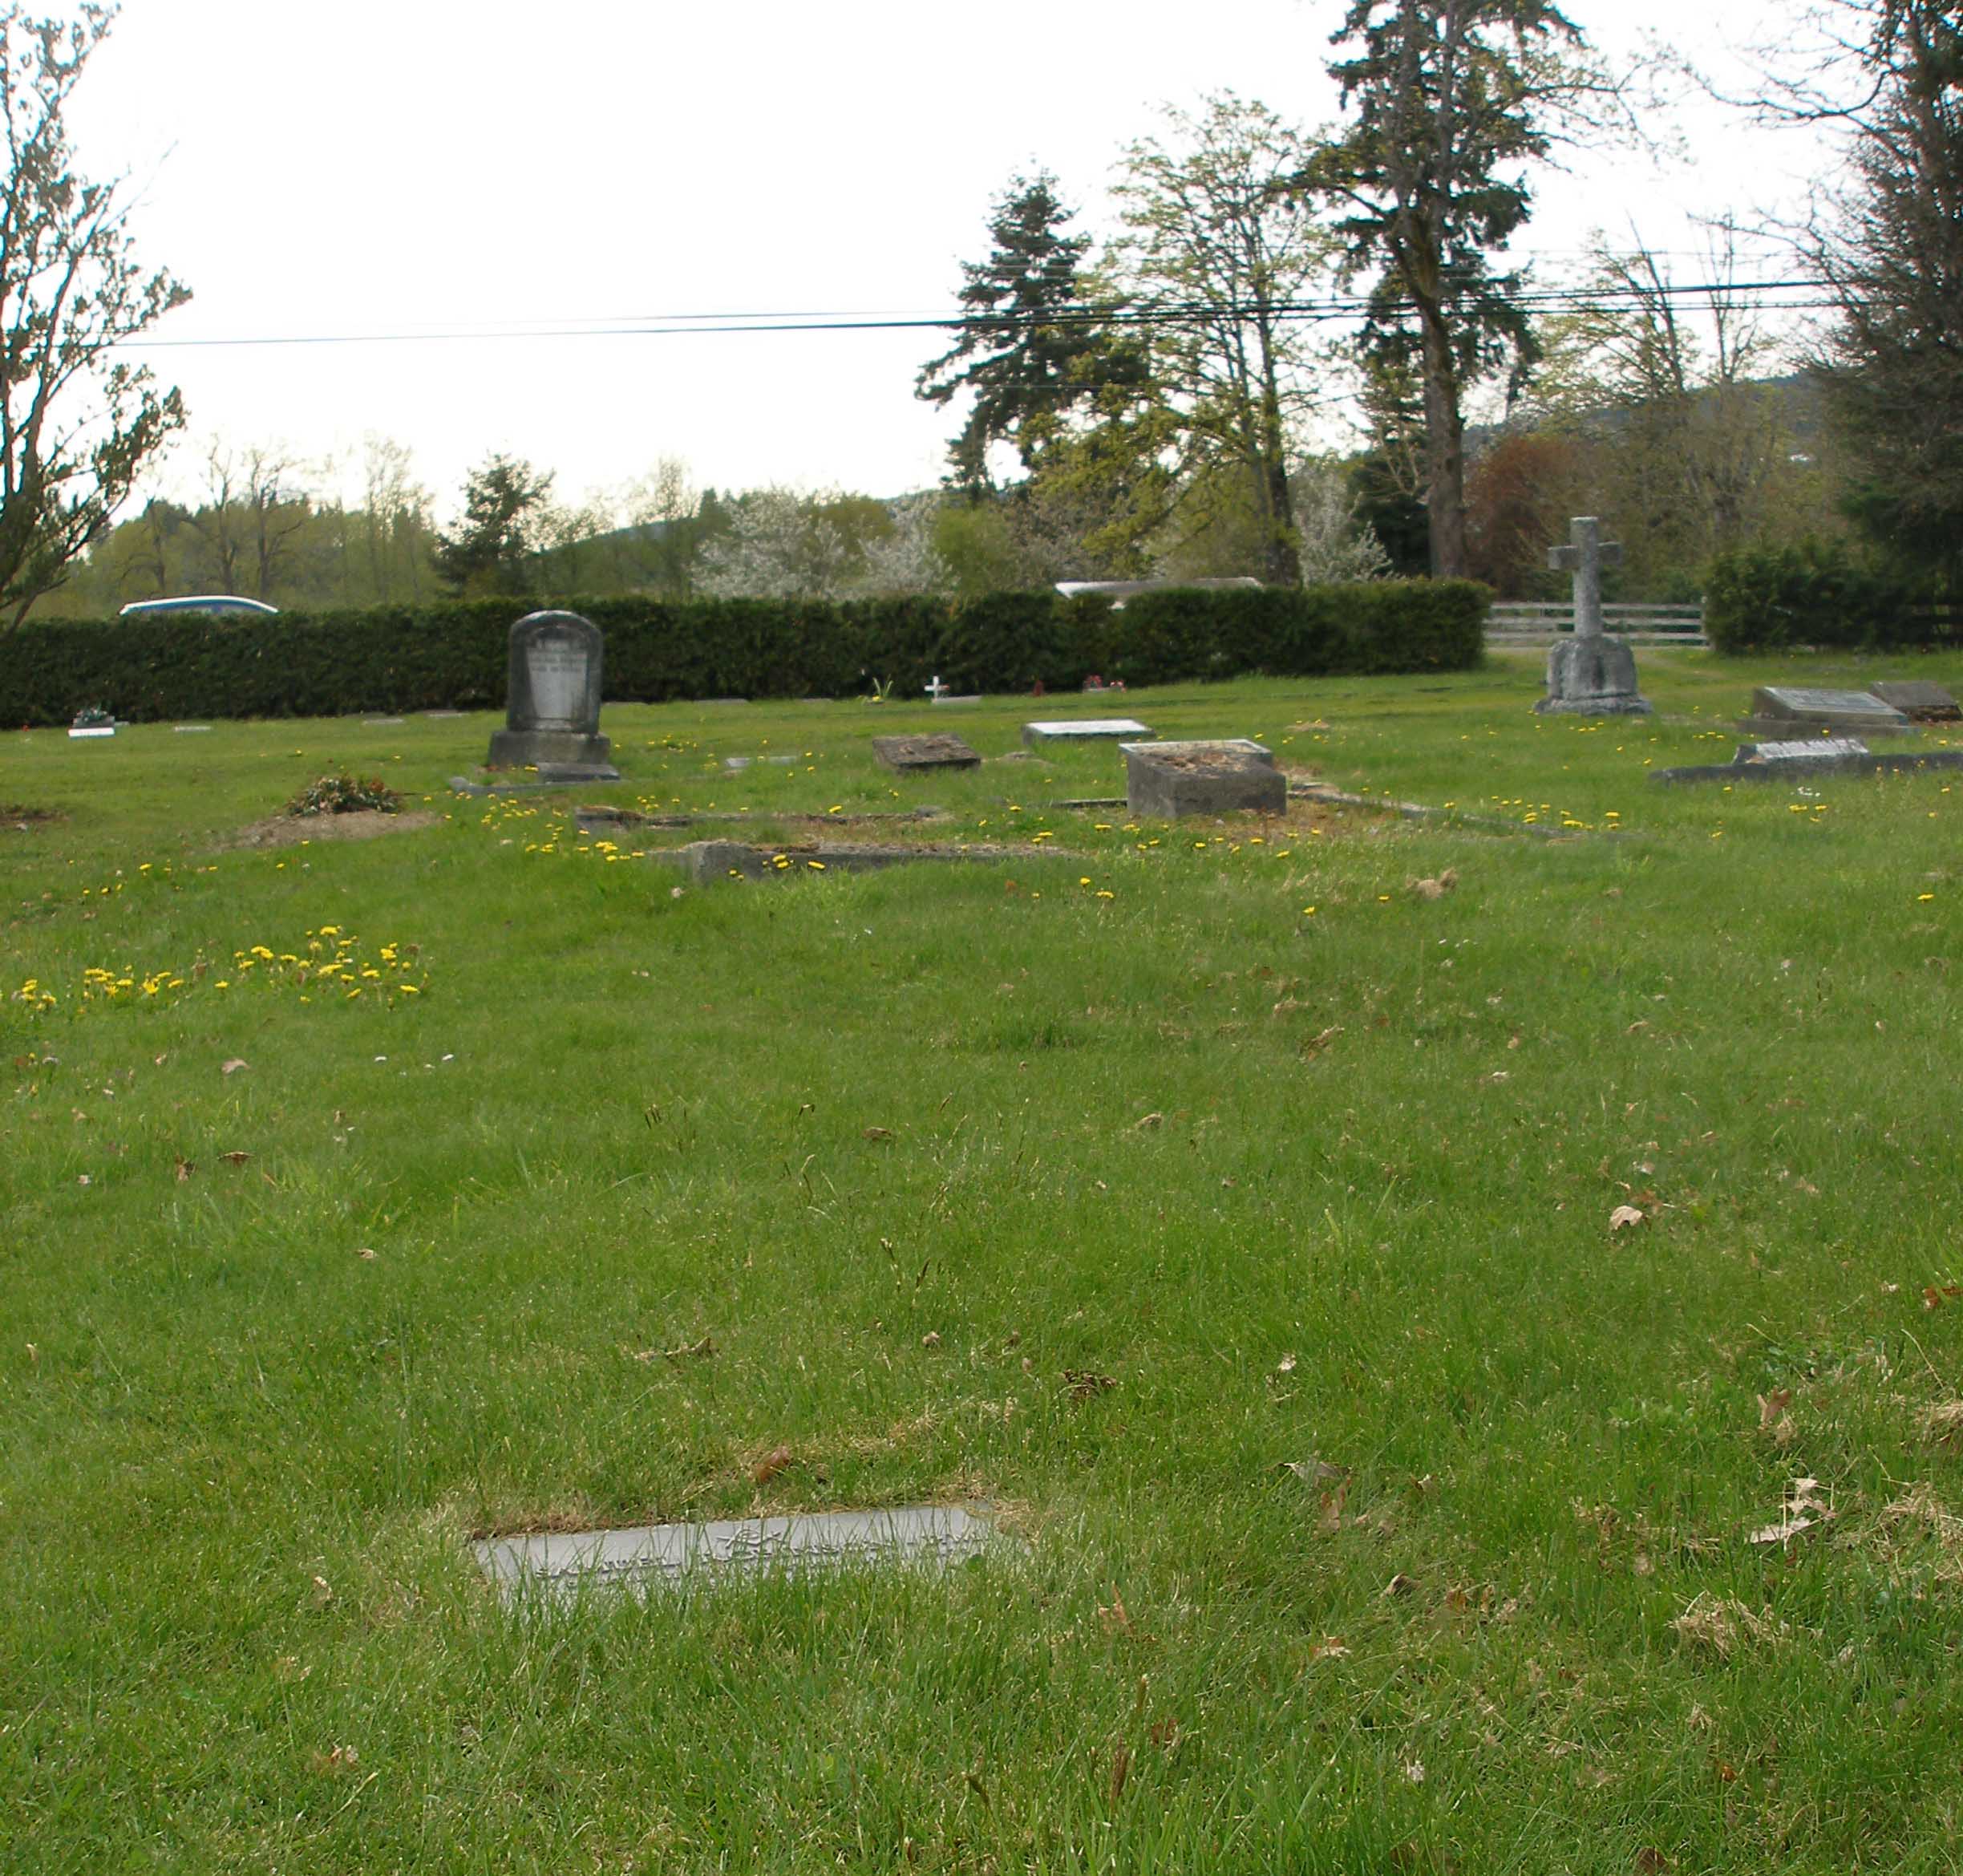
(563, 1564)
(1166, 781)
(1085, 729)
(915, 755)
(1780, 709)
(1919, 701)
(552, 711)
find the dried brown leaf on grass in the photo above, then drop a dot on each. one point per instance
(1772, 1407)
(1435, 889)
(1805, 1510)
(233, 1066)
(1081, 1383)
(235, 1158)
(772, 1463)
(1312, 1471)
(1624, 1217)
(690, 1350)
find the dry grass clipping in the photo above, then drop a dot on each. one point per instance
(1943, 1422)
(1719, 1624)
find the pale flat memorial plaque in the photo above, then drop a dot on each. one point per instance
(1816, 749)
(1085, 729)
(564, 1564)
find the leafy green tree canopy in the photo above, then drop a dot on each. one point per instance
(77, 425)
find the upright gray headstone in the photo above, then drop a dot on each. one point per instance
(552, 712)
(1590, 675)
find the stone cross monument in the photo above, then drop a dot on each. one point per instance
(1590, 675)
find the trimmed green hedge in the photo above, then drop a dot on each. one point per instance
(452, 654)
(1817, 593)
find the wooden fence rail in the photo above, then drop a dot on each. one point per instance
(1530, 623)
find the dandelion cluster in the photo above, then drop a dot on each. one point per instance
(330, 963)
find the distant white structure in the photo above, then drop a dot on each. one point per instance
(1121, 590)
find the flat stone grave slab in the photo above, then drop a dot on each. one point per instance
(564, 1564)
(709, 860)
(1166, 781)
(1085, 729)
(549, 776)
(1789, 761)
(966, 697)
(1919, 701)
(380, 723)
(559, 775)
(108, 729)
(1810, 752)
(443, 715)
(1780, 708)
(190, 729)
(736, 764)
(914, 755)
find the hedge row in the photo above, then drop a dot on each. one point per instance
(392, 660)
(1818, 594)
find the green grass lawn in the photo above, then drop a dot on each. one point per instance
(1314, 1168)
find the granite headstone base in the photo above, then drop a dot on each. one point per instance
(567, 748)
(1591, 676)
(1165, 781)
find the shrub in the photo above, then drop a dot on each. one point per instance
(345, 794)
(452, 654)
(1819, 594)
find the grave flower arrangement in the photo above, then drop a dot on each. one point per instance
(94, 717)
(345, 794)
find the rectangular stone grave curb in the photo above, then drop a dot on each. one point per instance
(1167, 781)
(190, 729)
(445, 715)
(106, 730)
(380, 723)
(563, 1564)
(921, 754)
(707, 861)
(462, 785)
(971, 697)
(1918, 700)
(1798, 769)
(1084, 729)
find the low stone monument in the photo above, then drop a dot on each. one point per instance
(552, 712)
(1164, 781)
(1591, 673)
(911, 754)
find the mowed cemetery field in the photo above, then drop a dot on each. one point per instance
(1460, 1330)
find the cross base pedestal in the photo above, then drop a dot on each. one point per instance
(1591, 675)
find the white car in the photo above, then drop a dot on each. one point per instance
(215, 602)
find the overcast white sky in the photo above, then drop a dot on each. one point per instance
(463, 166)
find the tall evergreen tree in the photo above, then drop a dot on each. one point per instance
(1891, 248)
(1029, 342)
(1452, 98)
(491, 550)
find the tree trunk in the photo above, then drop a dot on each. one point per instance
(1444, 453)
